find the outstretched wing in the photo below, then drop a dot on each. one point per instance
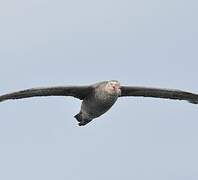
(159, 93)
(79, 92)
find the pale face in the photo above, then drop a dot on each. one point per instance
(113, 87)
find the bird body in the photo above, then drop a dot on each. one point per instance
(97, 103)
(100, 97)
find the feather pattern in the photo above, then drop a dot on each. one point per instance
(159, 93)
(79, 92)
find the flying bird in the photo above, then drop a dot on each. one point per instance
(100, 97)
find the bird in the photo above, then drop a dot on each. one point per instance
(98, 98)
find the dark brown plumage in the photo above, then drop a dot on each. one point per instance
(159, 93)
(79, 92)
(100, 97)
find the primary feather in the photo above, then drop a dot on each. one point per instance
(159, 93)
(79, 92)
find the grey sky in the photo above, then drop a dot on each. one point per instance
(152, 43)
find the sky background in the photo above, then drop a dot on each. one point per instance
(146, 43)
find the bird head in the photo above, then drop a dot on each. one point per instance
(113, 87)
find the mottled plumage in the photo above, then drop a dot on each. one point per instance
(97, 103)
(100, 97)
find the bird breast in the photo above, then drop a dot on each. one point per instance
(98, 103)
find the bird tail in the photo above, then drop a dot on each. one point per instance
(79, 117)
(81, 120)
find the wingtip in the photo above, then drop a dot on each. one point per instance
(2, 99)
(193, 101)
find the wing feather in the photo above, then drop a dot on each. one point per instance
(79, 92)
(159, 93)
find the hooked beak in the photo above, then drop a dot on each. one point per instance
(116, 87)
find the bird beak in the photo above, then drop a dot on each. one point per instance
(114, 87)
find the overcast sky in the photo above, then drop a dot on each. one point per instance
(151, 43)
